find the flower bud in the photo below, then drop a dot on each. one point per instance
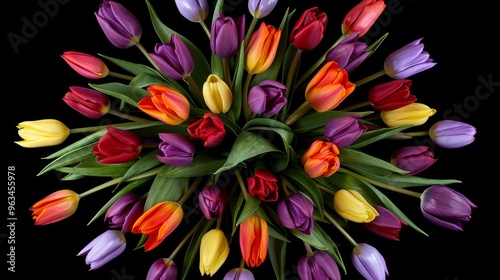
(86, 65)
(362, 16)
(413, 159)
(349, 53)
(321, 159)
(318, 265)
(239, 273)
(120, 26)
(263, 185)
(42, 133)
(193, 10)
(104, 248)
(352, 206)
(213, 201)
(174, 58)
(165, 104)
(88, 102)
(214, 249)
(163, 269)
(345, 130)
(267, 98)
(124, 212)
(369, 262)
(254, 240)
(210, 129)
(55, 207)
(117, 146)
(261, 8)
(309, 29)
(452, 134)
(296, 212)
(226, 35)
(386, 224)
(217, 94)
(411, 114)
(175, 149)
(262, 48)
(391, 95)
(407, 61)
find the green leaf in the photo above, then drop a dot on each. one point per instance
(165, 188)
(361, 161)
(314, 121)
(277, 255)
(404, 181)
(91, 167)
(144, 80)
(143, 164)
(129, 94)
(251, 205)
(72, 157)
(194, 246)
(133, 68)
(203, 164)
(372, 136)
(234, 112)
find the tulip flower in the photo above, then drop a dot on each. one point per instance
(214, 249)
(267, 97)
(104, 248)
(120, 26)
(369, 262)
(349, 53)
(117, 146)
(411, 114)
(55, 207)
(296, 211)
(308, 31)
(452, 134)
(261, 49)
(210, 129)
(174, 58)
(165, 104)
(254, 240)
(318, 265)
(239, 273)
(163, 269)
(86, 65)
(407, 61)
(158, 222)
(175, 149)
(212, 201)
(88, 102)
(124, 212)
(446, 207)
(321, 159)
(413, 159)
(227, 34)
(193, 10)
(345, 130)
(386, 224)
(261, 8)
(362, 17)
(263, 185)
(391, 95)
(42, 133)
(328, 88)
(352, 206)
(217, 94)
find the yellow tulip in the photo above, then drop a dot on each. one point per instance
(351, 205)
(217, 94)
(411, 114)
(42, 133)
(214, 249)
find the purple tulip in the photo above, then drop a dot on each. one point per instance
(261, 8)
(174, 58)
(175, 149)
(446, 207)
(120, 26)
(239, 274)
(267, 98)
(452, 134)
(413, 159)
(349, 53)
(408, 60)
(296, 211)
(345, 130)
(163, 269)
(104, 248)
(193, 10)
(124, 212)
(386, 224)
(318, 265)
(226, 35)
(369, 262)
(213, 201)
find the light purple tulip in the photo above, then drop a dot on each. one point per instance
(296, 211)
(239, 274)
(227, 34)
(261, 8)
(413, 159)
(369, 262)
(345, 130)
(386, 224)
(163, 269)
(446, 207)
(319, 265)
(213, 201)
(349, 53)
(104, 248)
(193, 10)
(175, 149)
(120, 26)
(408, 60)
(267, 98)
(174, 58)
(452, 134)
(124, 212)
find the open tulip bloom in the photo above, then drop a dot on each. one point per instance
(231, 146)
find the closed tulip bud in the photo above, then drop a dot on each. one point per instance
(158, 222)
(239, 273)
(261, 8)
(446, 207)
(452, 134)
(263, 185)
(210, 129)
(411, 114)
(328, 88)
(226, 35)
(413, 159)
(124, 212)
(386, 224)
(308, 31)
(104, 248)
(349, 53)
(86, 65)
(318, 265)
(163, 269)
(213, 201)
(214, 249)
(165, 104)
(174, 58)
(267, 98)
(352, 206)
(55, 207)
(345, 130)
(217, 94)
(175, 149)
(88, 102)
(120, 26)
(296, 212)
(407, 61)
(321, 159)
(117, 146)
(362, 16)
(42, 133)
(391, 95)
(254, 240)
(261, 49)
(193, 10)
(369, 262)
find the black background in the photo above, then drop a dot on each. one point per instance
(460, 38)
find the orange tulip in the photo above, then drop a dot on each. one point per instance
(254, 240)
(321, 159)
(165, 104)
(158, 222)
(328, 88)
(261, 49)
(55, 207)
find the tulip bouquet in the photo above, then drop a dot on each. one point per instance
(269, 147)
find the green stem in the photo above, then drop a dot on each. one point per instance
(298, 113)
(250, 31)
(195, 87)
(190, 190)
(241, 183)
(205, 28)
(127, 116)
(417, 133)
(227, 73)
(369, 78)
(100, 127)
(289, 79)
(183, 241)
(356, 106)
(121, 76)
(340, 228)
(246, 108)
(308, 248)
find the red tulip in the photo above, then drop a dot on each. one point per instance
(309, 29)
(117, 146)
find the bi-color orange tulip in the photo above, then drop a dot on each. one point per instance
(254, 240)
(321, 159)
(165, 104)
(55, 207)
(352, 206)
(411, 114)
(261, 49)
